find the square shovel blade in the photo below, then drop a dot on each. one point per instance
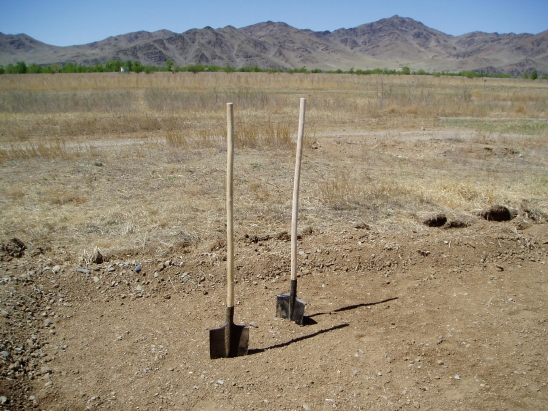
(282, 309)
(228, 341)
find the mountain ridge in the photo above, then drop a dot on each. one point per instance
(387, 43)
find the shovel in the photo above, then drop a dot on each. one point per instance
(231, 340)
(289, 306)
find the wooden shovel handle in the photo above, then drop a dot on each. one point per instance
(229, 206)
(297, 180)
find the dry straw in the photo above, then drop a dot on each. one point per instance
(135, 161)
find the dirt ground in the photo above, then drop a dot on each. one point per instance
(435, 318)
(441, 319)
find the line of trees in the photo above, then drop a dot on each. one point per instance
(110, 66)
(136, 67)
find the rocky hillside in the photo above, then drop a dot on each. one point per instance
(390, 43)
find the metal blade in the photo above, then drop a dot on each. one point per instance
(228, 341)
(283, 309)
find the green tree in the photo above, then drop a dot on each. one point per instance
(2, 70)
(534, 75)
(128, 66)
(113, 65)
(56, 68)
(405, 70)
(69, 68)
(34, 69)
(138, 67)
(21, 67)
(169, 65)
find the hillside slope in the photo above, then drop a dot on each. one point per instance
(390, 42)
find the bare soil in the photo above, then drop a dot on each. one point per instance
(439, 319)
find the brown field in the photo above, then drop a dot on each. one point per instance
(401, 315)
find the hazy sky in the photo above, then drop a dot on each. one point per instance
(69, 22)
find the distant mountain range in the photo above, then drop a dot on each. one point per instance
(388, 43)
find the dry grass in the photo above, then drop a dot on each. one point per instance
(138, 162)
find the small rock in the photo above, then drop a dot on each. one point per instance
(220, 382)
(457, 377)
(139, 288)
(254, 325)
(306, 407)
(83, 271)
(56, 269)
(3, 400)
(138, 268)
(96, 279)
(47, 323)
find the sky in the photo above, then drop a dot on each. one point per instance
(73, 22)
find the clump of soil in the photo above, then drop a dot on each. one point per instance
(497, 213)
(12, 248)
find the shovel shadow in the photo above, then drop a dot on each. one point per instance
(294, 340)
(350, 307)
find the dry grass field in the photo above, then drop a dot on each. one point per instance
(133, 167)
